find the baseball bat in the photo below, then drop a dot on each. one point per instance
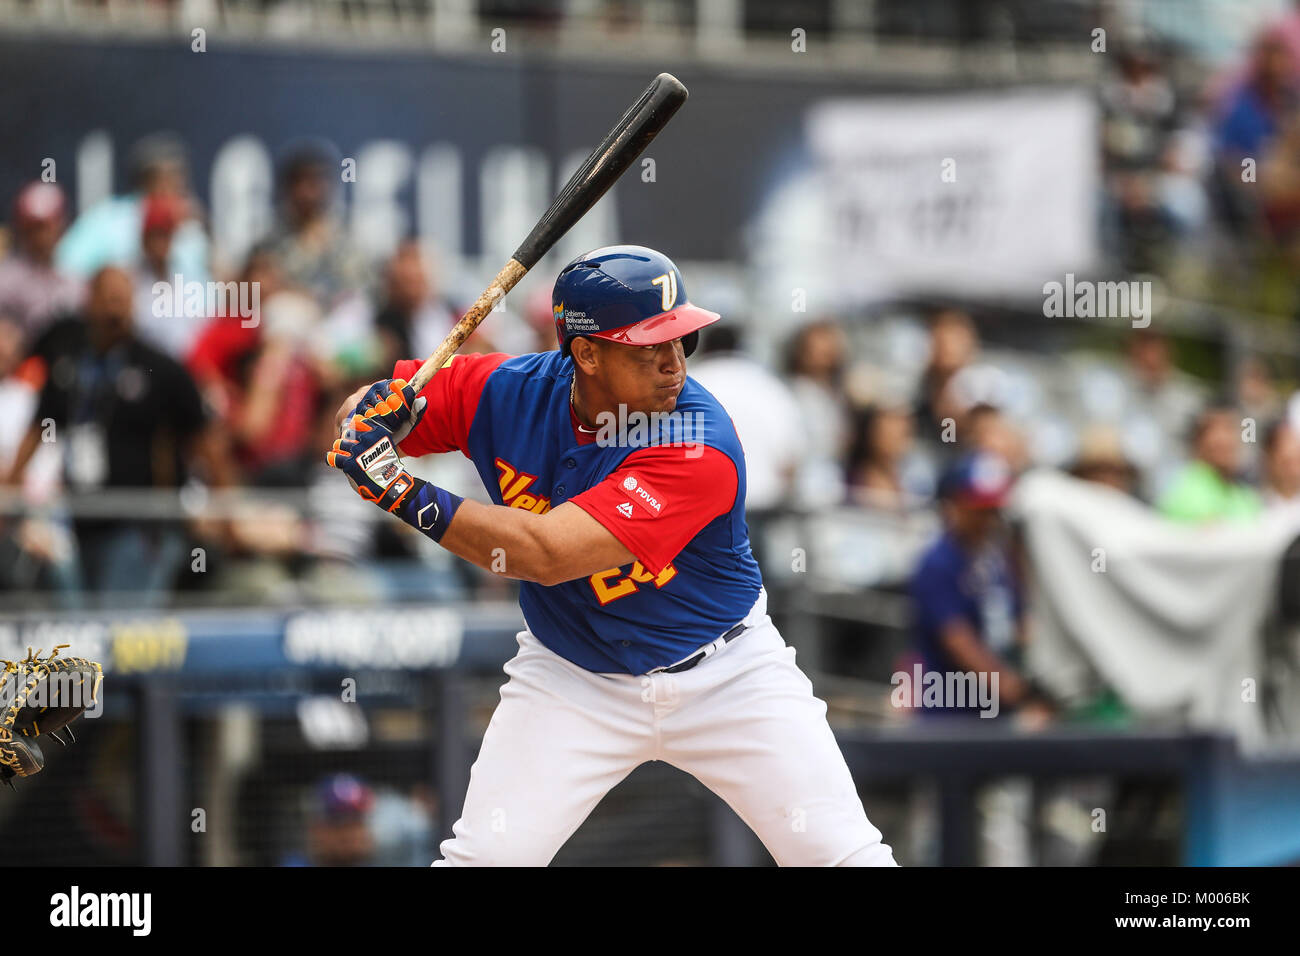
(621, 145)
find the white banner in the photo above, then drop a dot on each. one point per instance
(985, 194)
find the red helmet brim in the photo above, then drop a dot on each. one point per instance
(664, 327)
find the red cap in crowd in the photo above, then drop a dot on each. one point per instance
(39, 202)
(162, 213)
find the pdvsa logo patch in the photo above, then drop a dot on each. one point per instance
(645, 499)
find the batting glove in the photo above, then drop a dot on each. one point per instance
(394, 404)
(367, 454)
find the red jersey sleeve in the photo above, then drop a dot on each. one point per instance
(453, 399)
(659, 499)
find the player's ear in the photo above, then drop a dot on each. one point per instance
(585, 354)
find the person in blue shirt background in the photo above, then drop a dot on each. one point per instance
(968, 610)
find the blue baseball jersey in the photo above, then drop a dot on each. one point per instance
(671, 488)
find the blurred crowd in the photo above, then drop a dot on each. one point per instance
(125, 365)
(1202, 176)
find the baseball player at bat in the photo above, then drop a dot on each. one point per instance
(619, 490)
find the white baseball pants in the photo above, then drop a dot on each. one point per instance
(744, 722)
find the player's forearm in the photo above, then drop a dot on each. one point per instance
(562, 545)
(506, 541)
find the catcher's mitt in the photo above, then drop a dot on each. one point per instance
(41, 697)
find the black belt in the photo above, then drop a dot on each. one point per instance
(694, 659)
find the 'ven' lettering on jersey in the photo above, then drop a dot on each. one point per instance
(513, 485)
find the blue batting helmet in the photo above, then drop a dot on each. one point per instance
(627, 294)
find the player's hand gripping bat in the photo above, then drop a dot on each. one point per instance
(630, 135)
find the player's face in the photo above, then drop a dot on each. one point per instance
(644, 378)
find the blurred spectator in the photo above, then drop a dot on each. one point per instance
(414, 319)
(33, 291)
(126, 416)
(1138, 105)
(1256, 391)
(1251, 119)
(1279, 185)
(36, 553)
(314, 248)
(1281, 486)
(222, 350)
(20, 386)
(155, 318)
(338, 826)
(262, 378)
(1209, 487)
(985, 428)
(764, 411)
(953, 346)
(269, 387)
(814, 366)
(877, 472)
(1179, 187)
(1252, 115)
(966, 600)
(402, 826)
(268, 381)
(109, 232)
(1158, 388)
(1101, 459)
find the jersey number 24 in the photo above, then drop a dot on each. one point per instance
(609, 587)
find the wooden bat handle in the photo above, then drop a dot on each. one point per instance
(506, 279)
